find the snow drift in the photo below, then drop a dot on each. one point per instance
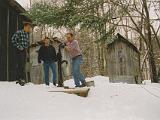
(106, 101)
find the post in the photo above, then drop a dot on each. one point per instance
(17, 23)
(60, 62)
(8, 44)
(60, 77)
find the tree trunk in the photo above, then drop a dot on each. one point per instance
(154, 77)
(153, 72)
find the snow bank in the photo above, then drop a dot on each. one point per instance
(106, 101)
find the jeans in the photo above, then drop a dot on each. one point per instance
(20, 64)
(77, 74)
(46, 67)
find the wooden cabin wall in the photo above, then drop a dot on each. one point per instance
(12, 57)
(10, 22)
(3, 41)
(123, 61)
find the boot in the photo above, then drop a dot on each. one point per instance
(54, 83)
(83, 84)
(22, 82)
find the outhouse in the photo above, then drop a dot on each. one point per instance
(123, 60)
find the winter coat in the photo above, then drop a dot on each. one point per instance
(47, 54)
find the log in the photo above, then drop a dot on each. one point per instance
(83, 92)
(90, 83)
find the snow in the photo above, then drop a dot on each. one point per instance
(106, 101)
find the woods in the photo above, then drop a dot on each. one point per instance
(97, 21)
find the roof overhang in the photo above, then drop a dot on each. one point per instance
(16, 6)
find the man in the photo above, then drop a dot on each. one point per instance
(47, 54)
(73, 48)
(20, 41)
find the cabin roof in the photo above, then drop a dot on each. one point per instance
(119, 37)
(16, 6)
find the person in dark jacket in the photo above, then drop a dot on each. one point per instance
(47, 54)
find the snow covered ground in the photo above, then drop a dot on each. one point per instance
(106, 101)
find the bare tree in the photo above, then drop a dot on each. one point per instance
(142, 10)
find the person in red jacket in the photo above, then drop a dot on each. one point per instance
(75, 52)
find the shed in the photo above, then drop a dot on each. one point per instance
(123, 61)
(11, 19)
